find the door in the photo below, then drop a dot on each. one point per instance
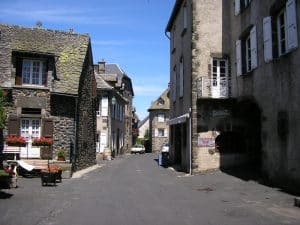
(30, 129)
(219, 81)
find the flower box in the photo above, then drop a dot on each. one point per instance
(42, 141)
(13, 140)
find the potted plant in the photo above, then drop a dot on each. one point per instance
(61, 155)
(14, 140)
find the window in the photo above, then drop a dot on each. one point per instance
(185, 19)
(174, 84)
(173, 42)
(181, 77)
(30, 128)
(219, 77)
(33, 72)
(159, 132)
(246, 52)
(161, 117)
(282, 23)
(240, 5)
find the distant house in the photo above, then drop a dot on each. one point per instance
(114, 108)
(158, 117)
(47, 76)
(143, 127)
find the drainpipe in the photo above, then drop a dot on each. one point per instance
(190, 138)
(74, 157)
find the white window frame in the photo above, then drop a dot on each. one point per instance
(160, 132)
(41, 69)
(29, 131)
(248, 53)
(282, 37)
(219, 80)
(161, 117)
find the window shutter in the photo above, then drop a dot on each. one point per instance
(156, 132)
(253, 44)
(47, 130)
(174, 85)
(104, 106)
(267, 31)
(181, 75)
(291, 18)
(166, 132)
(13, 125)
(18, 80)
(238, 46)
(237, 7)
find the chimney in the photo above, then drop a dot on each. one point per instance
(101, 66)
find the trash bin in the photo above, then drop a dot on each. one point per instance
(165, 158)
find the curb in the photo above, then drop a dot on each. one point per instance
(80, 173)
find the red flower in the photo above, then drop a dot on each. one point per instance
(42, 141)
(14, 140)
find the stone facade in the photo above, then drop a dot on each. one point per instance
(158, 118)
(114, 126)
(273, 85)
(48, 76)
(256, 107)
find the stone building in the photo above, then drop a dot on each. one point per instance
(265, 55)
(199, 76)
(158, 117)
(114, 122)
(48, 79)
(234, 87)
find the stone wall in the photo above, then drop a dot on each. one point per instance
(86, 117)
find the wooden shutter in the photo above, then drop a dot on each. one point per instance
(238, 48)
(166, 132)
(47, 130)
(267, 31)
(237, 7)
(13, 125)
(291, 21)
(18, 80)
(253, 44)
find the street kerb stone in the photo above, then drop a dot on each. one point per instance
(80, 173)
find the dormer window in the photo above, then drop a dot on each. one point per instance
(33, 72)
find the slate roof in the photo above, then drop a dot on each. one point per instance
(68, 48)
(141, 123)
(165, 97)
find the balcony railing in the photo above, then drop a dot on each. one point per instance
(213, 88)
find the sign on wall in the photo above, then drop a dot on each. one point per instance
(206, 142)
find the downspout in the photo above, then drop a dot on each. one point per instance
(75, 138)
(190, 138)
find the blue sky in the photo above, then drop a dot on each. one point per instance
(127, 32)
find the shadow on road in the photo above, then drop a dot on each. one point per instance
(4, 195)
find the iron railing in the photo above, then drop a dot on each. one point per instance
(213, 88)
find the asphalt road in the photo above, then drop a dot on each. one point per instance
(133, 190)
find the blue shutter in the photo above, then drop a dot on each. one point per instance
(267, 31)
(291, 19)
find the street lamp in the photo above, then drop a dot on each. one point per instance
(113, 100)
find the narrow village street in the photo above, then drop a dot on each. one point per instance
(134, 190)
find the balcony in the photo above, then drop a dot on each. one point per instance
(213, 88)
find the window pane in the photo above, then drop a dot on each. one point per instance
(26, 72)
(35, 72)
